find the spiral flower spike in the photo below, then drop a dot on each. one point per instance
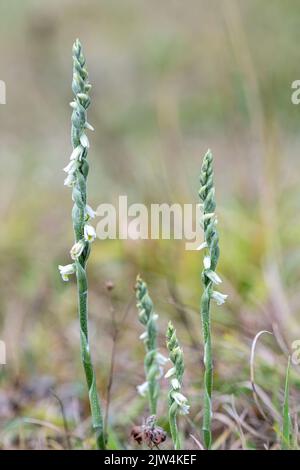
(154, 361)
(77, 172)
(209, 279)
(178, 403)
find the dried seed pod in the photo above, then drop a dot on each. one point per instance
(149, 433)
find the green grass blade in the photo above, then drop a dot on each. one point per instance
(286, 417)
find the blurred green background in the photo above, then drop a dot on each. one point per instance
(170, 79)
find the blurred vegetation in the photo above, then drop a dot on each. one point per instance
(170, 79)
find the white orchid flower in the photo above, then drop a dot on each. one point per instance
(218, 297)
(89, 233)
(175, 384)
(143, 389)
(213, 277)
(206, 262)
(184, 409)
(202, 246)
(70, 180)
(144, 335)
(66, 271)
(89, 126)
(170, 372)
(77, 249)
(182, 402)
(161, 359)
(84, 141)
(71, 167)
(77, 152)
(89, 212)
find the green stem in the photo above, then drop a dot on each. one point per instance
(173, 426)
(208, 367)
(97, 419)
(151, 371)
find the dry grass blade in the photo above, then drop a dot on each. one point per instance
(262, 395)
(238, 420)
(230, 427)
(243, 424)
(252, 357)
(197, 442)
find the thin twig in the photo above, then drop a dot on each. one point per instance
(65, 422)
(116, 329)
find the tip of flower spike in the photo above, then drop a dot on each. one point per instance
(208, 155)
(77, 45)
(170, 330)
(139, 282)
